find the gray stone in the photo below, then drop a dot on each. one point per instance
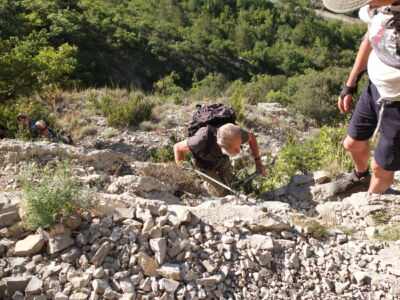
(265, 259)
(170, 271)
(127, 286)
(210, 281)
(121, 214)
(60, 296)
(9, 202)
(101, 254)
(226, 214)
(169, 285)
(71, 255)
(260, 242)
(14, 284)
(78, 296)
(148, 264)
(320, 177)
(9, 218)
(99, 286)
(360, 276)
(30, 245)
(59, 243)
(294, 261)
(340, 287)
(72, 222)
(34, 286)
(99, 273)
(307, 251)
(302, 179)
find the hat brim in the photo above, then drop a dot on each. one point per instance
(343, 6)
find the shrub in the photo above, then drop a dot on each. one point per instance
(167, 87)
(110, 133)
(315, 94)
(256, 90)
(213, 85)
(175, 176)
(56, 193)
(123, 111)
(34, 107)
(161, 155)
(322, 151)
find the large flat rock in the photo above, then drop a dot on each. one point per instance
(225, 214)
(13, 151)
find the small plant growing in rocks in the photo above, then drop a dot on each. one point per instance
(54, 193)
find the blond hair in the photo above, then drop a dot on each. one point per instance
(227, 133)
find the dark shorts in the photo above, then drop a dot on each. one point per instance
(365, 120)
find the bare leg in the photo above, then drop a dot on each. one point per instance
(381, 179)
(359, 151)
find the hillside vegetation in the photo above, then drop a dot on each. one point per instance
(282, 50)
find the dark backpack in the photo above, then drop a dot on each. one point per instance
(215, 115)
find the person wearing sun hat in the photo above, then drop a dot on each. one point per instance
(378, 108)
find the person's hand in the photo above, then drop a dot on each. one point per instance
(260, 167)
(346, 104)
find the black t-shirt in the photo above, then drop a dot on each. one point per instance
(203, 146)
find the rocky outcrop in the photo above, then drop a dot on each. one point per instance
(13, 151)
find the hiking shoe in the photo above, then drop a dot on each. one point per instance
(350, 181)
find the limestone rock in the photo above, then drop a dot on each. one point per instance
(34, 286)
(159, 247)
(31, 245)
(230, 215)
(59, 243)
(101, 254)
(9, 218)
(148, 264)
(170, 271)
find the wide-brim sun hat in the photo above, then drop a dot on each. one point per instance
(342, 6)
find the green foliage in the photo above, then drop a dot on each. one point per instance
(24, 71)
(318, 231)
(129, 110)
(167, 87)
(259, 87)
(110, 133)
(380, 217)
(56, 193)
(161, 155)
(238, 104)
(315, 94)
(322, 151)
(35, 108)
(389, 233)
(211, 87)
(176, 176)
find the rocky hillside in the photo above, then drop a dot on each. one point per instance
(147, 239)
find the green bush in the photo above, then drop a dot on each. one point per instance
(167, 87)
(324, 151)
(56, 193)
(35, 108)
(123, 111)
(315, 94)
(212, 86)
(161, 155)
(258, 88)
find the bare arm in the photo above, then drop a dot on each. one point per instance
(360, 64)
(255, 151)
(179, 151)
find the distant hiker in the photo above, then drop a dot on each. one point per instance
(50, 133)
(213, 139)
(3, 131)
(26, 123)
(379, 105)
